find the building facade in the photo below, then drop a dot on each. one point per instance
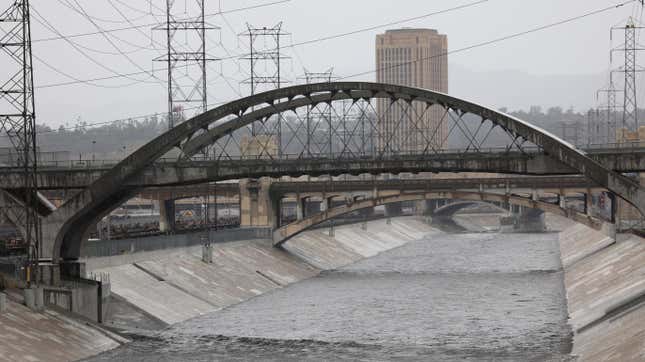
(415, 58)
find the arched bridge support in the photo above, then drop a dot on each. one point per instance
(284, 233)
(218, 127)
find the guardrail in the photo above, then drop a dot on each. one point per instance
(103, 248)
(459, 152)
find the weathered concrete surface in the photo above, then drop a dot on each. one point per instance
(605, 284)
(175, 285)
(285, 232)
(49, 336)
(351, 243)
(156, 297)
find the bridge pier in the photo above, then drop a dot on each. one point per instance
(257, 206)
(167, 216)
(562, 200)
(588, 203)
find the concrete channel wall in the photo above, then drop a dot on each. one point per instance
(153, 289)
(605, 285)
(175, 285)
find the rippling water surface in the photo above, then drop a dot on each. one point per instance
(451, 297)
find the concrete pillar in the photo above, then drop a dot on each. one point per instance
(167, 216)
(257, 206)
(300, 207)
(562, 201)
(34, 298)
(324, 206)
(534, 195)
(614, 208)
(207, 253)
(588, 203)
(3, 303)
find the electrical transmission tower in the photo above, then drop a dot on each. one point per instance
(319, 117)
(186, 58)
(18, 118)
(629, 69)
(265, 59)
(609, 111)
(269, 53)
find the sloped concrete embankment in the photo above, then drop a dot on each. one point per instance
(151, 290)
(176, 285)
(605, 284)
(50, 335)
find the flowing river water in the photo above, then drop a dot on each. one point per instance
(451, 297)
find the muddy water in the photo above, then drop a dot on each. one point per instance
(449, 298)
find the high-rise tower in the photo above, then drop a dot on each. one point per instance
(414, 58)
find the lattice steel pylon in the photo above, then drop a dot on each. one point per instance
(630, 68)
(317, 116)
(609, 109)
(186, 91)
(266, 137)
(18, 116)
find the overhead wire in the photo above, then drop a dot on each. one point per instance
(43, 21)
(316, 40)
(80, 10)
(498, 40)
(481, 44)
(84, 13)
(79, 35)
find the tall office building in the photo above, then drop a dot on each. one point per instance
(414, 58)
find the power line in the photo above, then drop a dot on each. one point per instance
(53, 29)
(498, 40)
(438, 55)
(84, 13)
(293, 45)
(148, 25)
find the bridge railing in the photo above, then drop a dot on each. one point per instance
(528, 150)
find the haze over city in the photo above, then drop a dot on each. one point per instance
(560, 66)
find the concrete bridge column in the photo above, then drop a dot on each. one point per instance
(562, 200)
(167, 221)
(614, 209)
(300, 207)
(257, 206)
(588, 206)
(324, 205)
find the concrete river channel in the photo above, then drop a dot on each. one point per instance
(447, 297)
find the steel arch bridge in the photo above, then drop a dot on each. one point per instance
(368, 124)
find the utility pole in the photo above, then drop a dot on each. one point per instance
(186, 67)
(18, 118)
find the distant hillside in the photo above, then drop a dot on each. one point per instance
(517, 90)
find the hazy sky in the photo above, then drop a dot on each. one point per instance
(579, 48)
